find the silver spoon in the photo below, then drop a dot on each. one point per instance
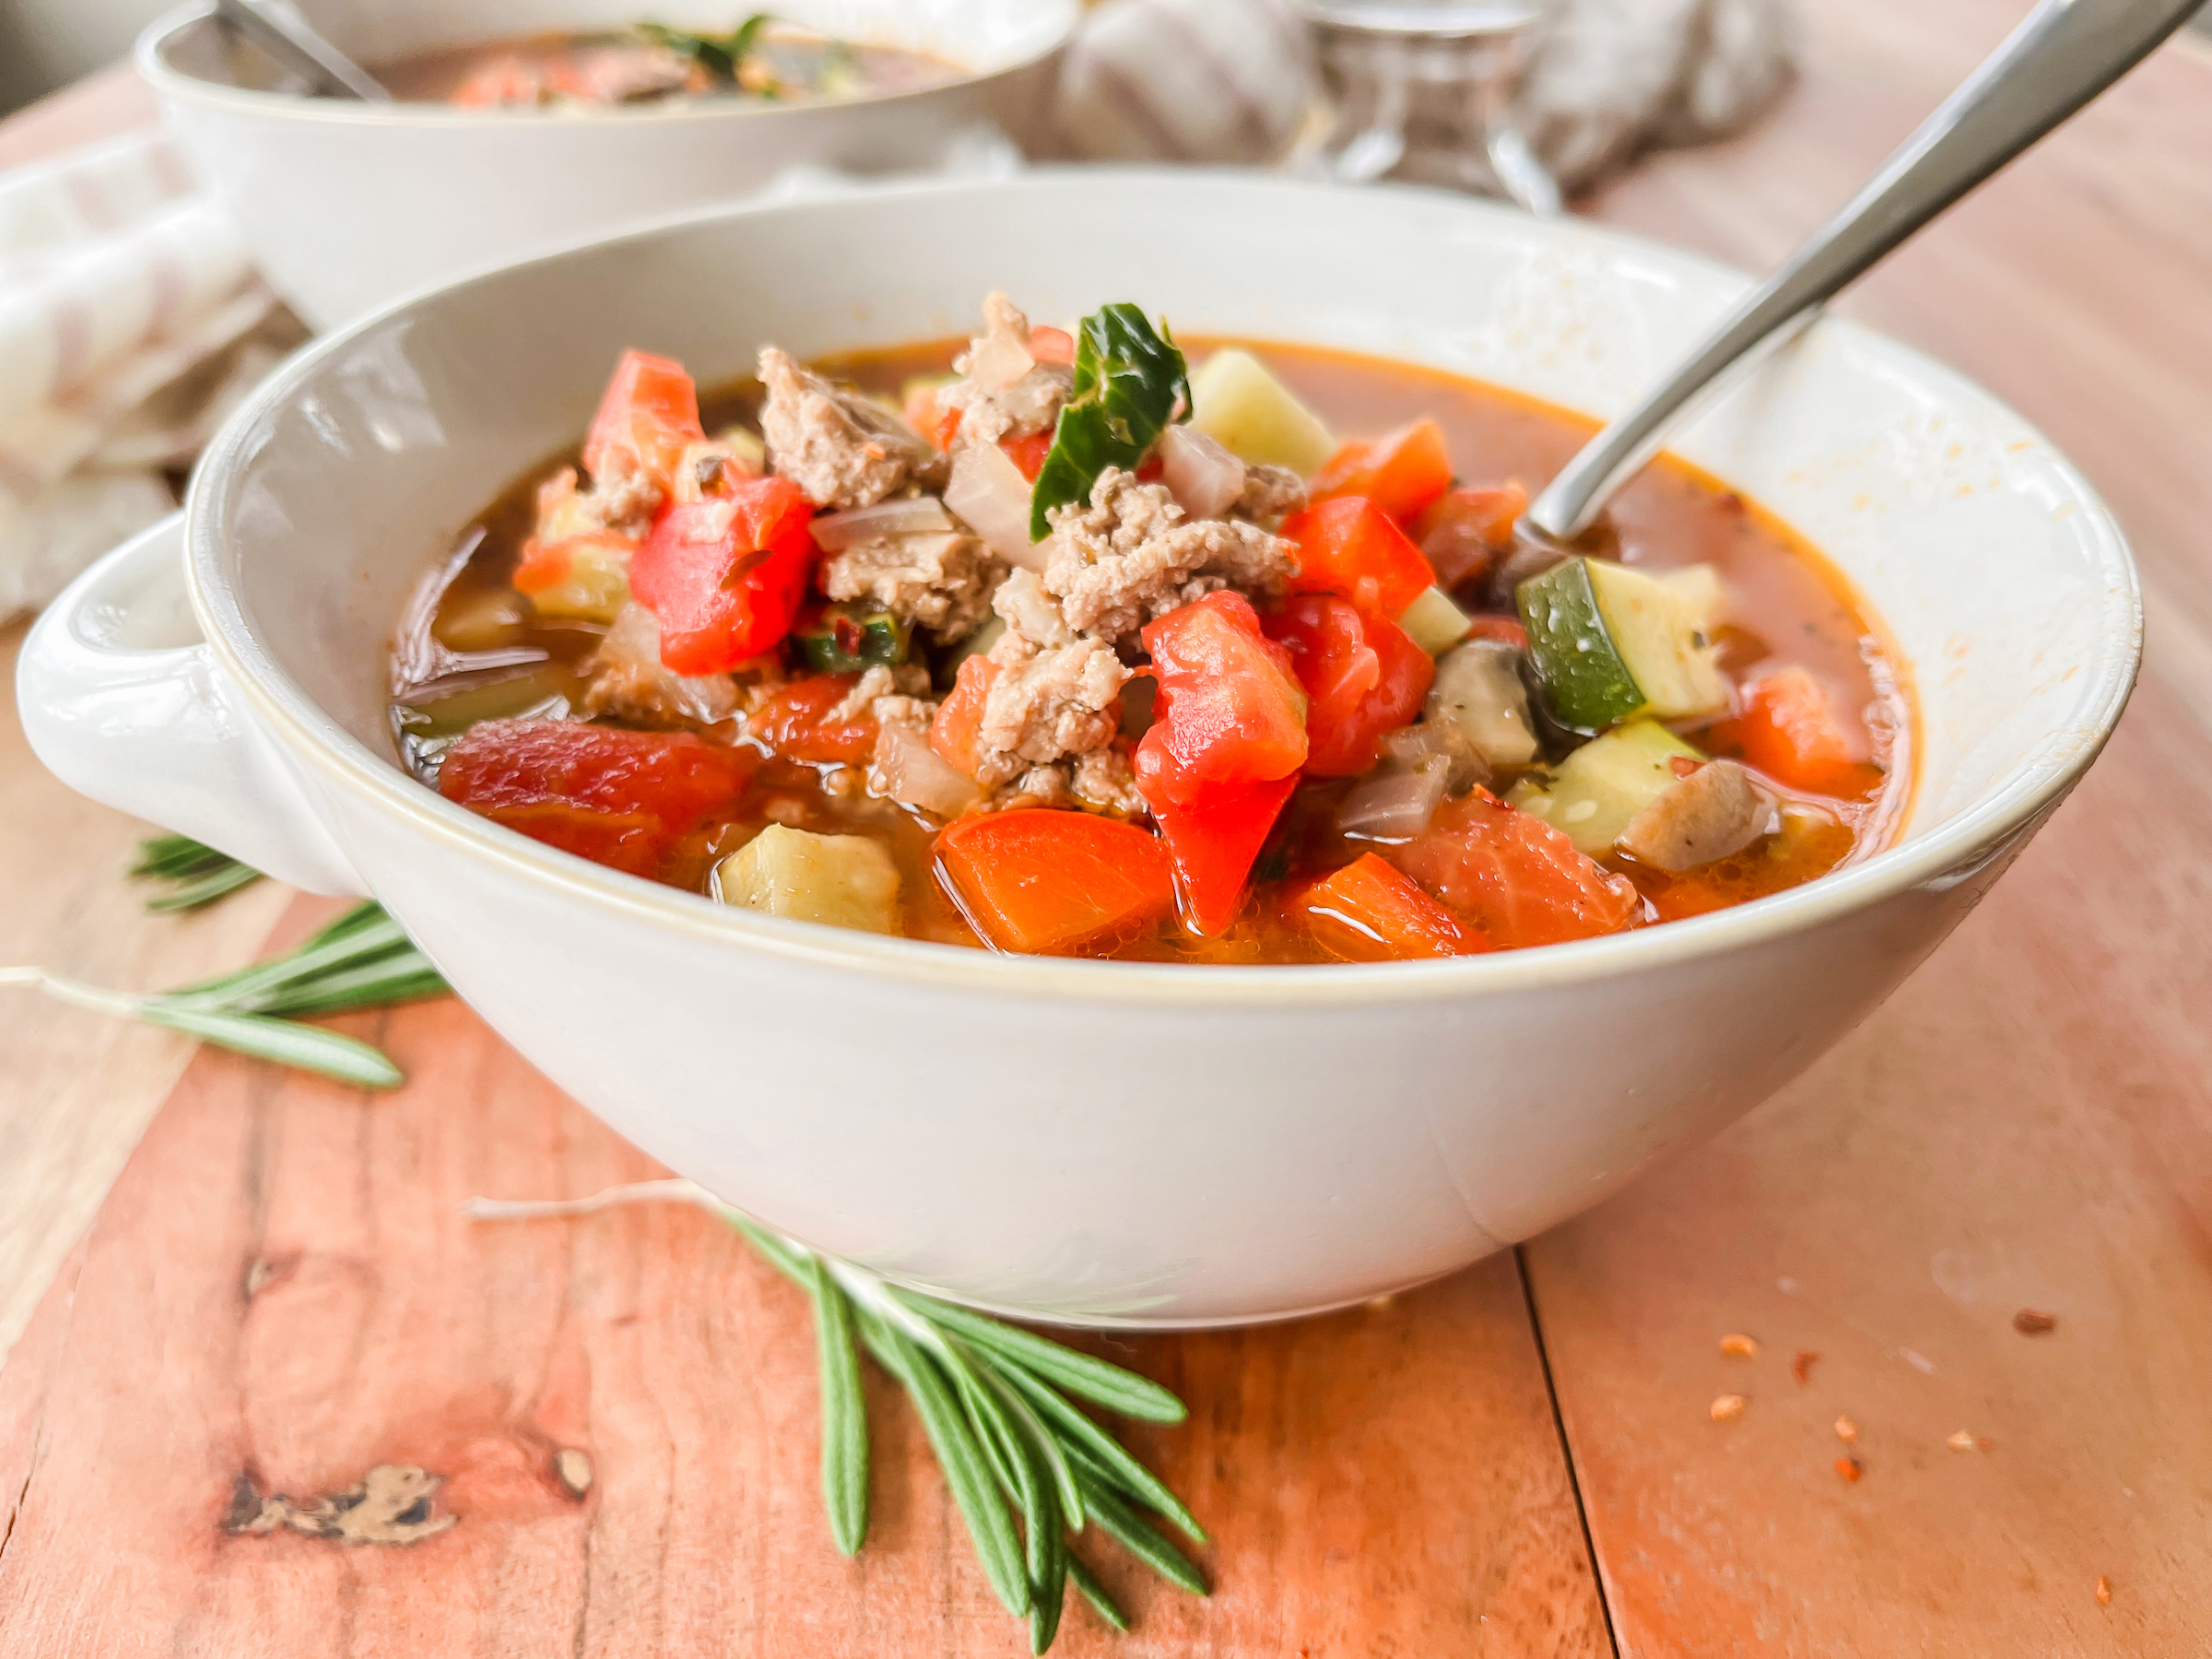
(286, 37)
(2064, 54)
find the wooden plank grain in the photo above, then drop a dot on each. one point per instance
(77, 1087)
(2029, 1123)
(281, 1295)
(2028, 1126)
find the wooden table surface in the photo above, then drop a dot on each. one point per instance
(1521, 1461)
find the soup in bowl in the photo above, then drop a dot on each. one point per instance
(1075, 649)
(1177, 1120)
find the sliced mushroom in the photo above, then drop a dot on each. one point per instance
(1717, 810)
(1478, 687)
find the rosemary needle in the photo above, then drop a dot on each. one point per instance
(362, 961)
(1013, 1447)
(197, 873)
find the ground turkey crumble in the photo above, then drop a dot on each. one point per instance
(1126, 556)
(1130, 555)
(1270, 492)
(937, 580)
(886, 694)
(840, 449)
(995, 406)
(1050, 731)
(1047, 703)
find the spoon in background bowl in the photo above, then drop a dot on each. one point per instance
(2061, 55)
(284, 35)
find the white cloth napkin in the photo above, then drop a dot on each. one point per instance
(123, 299)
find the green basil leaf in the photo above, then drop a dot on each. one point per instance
(1129, 379)
(717, 55)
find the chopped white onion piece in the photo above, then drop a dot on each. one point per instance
(918, 775)
(1199, 472)
(908, 515)
(992, 498)
(1393, 804)
(1439, 741)
(1000, 359)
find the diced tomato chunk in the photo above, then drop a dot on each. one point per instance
(1050, 345)
(503, 80)
(961, 716)
(1364, 678)
(1230, 712)
(1213, 844)
(931, 419)
(1369, 912)
(619, 798)
(649, 412)
(1402, 472)
(1792, 730)
(1350, 546)
(797, 721)
(1041, 881)
(725, 577)
(1465, 531)
(1028, 453)
(1515, 877)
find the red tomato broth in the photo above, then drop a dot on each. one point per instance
(1790, 608)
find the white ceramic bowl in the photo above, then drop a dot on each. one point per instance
(347, 205)
(1096, 1142)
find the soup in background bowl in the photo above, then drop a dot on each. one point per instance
(761, 58)
(432, 190)
(1098, 1141)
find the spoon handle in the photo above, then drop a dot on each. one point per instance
(289, 38)
(2061, 56)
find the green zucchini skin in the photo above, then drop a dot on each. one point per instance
(1610, 642)
(1587, 686)
(1595, 791)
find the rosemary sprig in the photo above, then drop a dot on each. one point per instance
(1013, 1446)
(994, 1401)
(196, 874)
(362, 961)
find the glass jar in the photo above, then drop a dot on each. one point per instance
(1420, 91)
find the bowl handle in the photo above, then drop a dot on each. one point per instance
(123, 701)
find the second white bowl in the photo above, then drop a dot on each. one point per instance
(347, 206)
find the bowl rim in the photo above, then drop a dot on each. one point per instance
(148, 53)
(1948, 854)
